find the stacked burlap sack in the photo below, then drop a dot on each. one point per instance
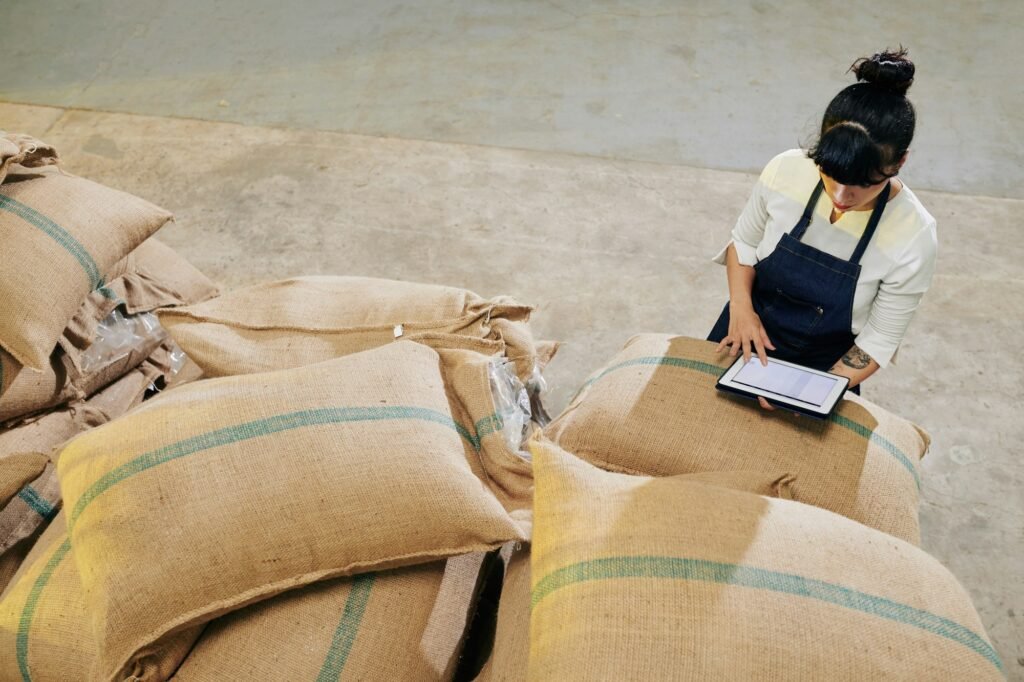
(637, 577)
(684, 534)
(78, 344)
(680, 533)
(330, 517)
(295, 322)
(330, 501)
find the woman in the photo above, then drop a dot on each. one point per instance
(832, 282)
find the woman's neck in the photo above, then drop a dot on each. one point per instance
(895, 186)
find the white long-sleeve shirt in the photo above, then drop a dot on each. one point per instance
(896, 269)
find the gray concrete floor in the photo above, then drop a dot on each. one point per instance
(636, 127)
(711, 84)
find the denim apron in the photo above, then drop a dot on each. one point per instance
(804, 296)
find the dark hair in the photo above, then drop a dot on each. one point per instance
(869, 125)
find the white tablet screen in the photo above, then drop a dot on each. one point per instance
(788, 381)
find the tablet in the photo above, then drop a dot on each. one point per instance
(785, 384)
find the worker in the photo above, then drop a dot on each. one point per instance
(833, 252)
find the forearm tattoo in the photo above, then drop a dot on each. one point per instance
(856, 358)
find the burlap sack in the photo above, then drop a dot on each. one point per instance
(45, 629)
(402, 624)
(507, 472)
(511, 649)
(33, 391)
(18, 469)
(11, 561)
(39, 501)
(61, 235)
(654, 410)
(297, 322)
(661, 578)
(156, 276)
(36, 392)
(150, 277)
(24, 150)
(9, 369)
(249, 486)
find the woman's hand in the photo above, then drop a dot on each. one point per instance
(747, 333)
(745, 328)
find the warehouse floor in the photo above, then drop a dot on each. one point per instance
(583, 157)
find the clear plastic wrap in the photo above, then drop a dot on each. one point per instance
(176, 359)
(536, 387)
(512, 404)
(117, 335)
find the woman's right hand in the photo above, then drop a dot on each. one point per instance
(747, 333)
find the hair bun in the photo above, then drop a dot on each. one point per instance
(886, 70)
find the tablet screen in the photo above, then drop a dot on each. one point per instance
(791, 382)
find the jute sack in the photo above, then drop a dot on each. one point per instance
(18, 469)
(511, 651)
(507, 472)
(12, 559)
(38, 501)
(646, 578)
(151, 277)
(295, 322)
(156, 276)
(401, 624)
(653, 409)
(24, 150)
(9, 369)
(45, 630)
(36, 392)
(249, 486)
(61, 235)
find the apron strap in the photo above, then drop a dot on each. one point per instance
(805, 219)
(876, 215)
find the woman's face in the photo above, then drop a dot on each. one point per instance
(852, 197)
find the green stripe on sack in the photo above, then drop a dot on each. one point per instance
(492, 423)
(37, 503)
(697, 365)
(348, 628)
(708, 368)
(881, 442)
(255, 429)
(57, 234)
(29, 612)
(758, 578)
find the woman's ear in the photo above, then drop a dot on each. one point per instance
(903, 159)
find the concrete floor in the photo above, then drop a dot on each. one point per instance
(606, 216)
(711, 84)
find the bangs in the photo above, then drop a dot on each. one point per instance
(848, 155)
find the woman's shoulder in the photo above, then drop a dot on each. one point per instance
(908, 209)
(790, 173)
(908, 225)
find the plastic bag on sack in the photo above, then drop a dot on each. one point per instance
(512, 404)
(536, 387)
(177, 360)
(118, 335)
